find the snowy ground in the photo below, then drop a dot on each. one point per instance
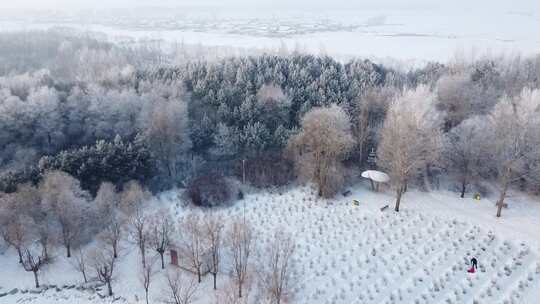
(357, 254)
(407, 35)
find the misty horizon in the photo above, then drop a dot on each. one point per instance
(528, 6)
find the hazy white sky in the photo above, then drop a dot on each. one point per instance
(515, 5)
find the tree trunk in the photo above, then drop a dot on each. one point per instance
(45, 252)
(162, 259)
(427, 178)
(500, 202)
(84, 276)
(463, 188)
(68, 248)
(115, 250)
(19, 252)
(240, 290)
(215, 280)
(199, 274)
(169, 171)
(109, 287)
(49, 141)
(399, 193)
(146, 295)
(36, 279)
(318, 178)
(499, 209)
(143, 257)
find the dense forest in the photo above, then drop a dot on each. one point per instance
(103, 112)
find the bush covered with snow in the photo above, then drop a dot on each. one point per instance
(210, 190)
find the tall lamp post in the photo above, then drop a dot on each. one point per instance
(244, 184)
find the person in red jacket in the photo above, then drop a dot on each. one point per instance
(474, 265)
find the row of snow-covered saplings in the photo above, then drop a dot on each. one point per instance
(415, 246)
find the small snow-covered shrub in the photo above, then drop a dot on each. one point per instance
(210, 190)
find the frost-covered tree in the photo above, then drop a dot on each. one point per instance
(68, 202)
(323, 143)
(465, 150)
(240, 239)
(456, 96)
(107, 202)
(192, 245)
(104, 265)
(25, 220)
(113, 232)
(15, 227)
(49, 125)
(132, 198)
(276, 273)
(367, 117)
(410, 138)
(532, 157)
(273, 104)
(40, 218)
(146, 277)
(227, 140)
(139, 232)
(32, 262)
(80, 264)
(106, 199)
(515, 124)
(161, 228)
(213, 230)
(180, 289)
(167, 134)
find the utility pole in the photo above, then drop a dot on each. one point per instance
(244, 184)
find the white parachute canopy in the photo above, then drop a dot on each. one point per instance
(376, 176)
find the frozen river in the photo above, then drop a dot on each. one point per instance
(403, 35)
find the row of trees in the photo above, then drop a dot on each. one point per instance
(502, 144)
(34, 220)
(208, 244)
(59, 212)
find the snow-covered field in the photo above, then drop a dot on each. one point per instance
(354, 254)
(407, 35)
